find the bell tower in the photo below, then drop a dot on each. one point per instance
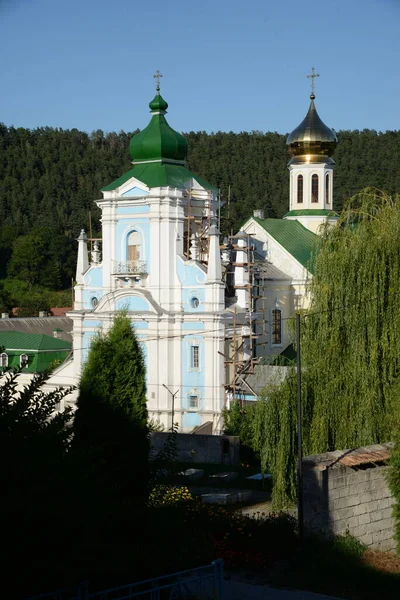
(311, 146)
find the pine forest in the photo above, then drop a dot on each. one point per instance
(50, 179)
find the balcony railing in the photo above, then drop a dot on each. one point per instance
(129, 267)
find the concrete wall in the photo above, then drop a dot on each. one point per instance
(221, 449)
(340, 499)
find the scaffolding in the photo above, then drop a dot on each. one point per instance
(248, 322)
(240, 342)
(198, 219)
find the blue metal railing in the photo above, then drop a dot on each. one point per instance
(202, 583)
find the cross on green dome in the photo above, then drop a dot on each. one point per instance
(158, 141)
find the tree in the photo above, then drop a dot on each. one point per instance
(350, 344)
(34, 443)
(110, 425)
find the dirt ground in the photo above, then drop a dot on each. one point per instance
(383, 561)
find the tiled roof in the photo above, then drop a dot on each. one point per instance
(293, 236)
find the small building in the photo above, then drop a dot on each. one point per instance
(32, 352)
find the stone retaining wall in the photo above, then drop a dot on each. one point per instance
(354, 499)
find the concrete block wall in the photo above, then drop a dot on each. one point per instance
(340, 499)
(223, 449)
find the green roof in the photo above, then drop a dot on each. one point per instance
(31, 341)
(159, 154)
(318, 212)
(159, 174)
(293, 236)
(42, 350)
(158, 140)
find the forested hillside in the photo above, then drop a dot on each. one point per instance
(49, 179)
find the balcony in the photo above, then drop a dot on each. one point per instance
(129, 267)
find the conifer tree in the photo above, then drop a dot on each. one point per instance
(110, 425)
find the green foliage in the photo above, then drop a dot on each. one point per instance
(275, 431)
(350, 344)
(394, 470)
(28, 426)
(49, 179)
(110, 425)
(239, 421)
(34, 444)
(348, 546)
(155, 426)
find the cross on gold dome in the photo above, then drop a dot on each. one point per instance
(158, 76)
(312, 77)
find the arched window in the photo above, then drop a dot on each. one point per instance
(314, 188)
(3, 360)
(276, 327)
(23, 360)
(327, 188)
(134, 246)
(300, 189)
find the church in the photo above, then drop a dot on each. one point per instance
(205, 310)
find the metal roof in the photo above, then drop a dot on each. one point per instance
(293, 236)
(14, 340)
(39, 325)
(159, 174)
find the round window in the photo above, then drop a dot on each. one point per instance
(94, 301)
(194, 302)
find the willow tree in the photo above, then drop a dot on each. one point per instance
(350, 344)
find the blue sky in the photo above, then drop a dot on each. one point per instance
(227, 64)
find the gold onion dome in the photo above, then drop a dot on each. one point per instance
(312, 140)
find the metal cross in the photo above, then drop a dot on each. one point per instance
(158, 76)
(312, 77)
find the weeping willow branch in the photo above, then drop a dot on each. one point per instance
(350, 344)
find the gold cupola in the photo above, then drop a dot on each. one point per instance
(312, 141)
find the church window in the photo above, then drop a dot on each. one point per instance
(194, 357)
(300, 189)
(193, 401)
(134, 246)
(23, 360)
(327, 188)
(3, 360)
(314, 188)
(276, 327)
(94, 301)
(194, 302)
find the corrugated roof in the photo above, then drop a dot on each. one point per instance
(159, 174)
(14, 340)
(293, 236)
(40, 325)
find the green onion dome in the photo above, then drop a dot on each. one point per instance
(312, 137)
(158, 141)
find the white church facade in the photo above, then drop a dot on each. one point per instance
(205, 311)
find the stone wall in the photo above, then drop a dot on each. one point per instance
(342, 494)
(223, 449)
